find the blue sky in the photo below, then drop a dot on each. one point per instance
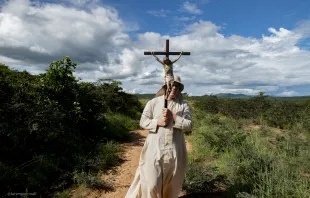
(237, 46)
(242, 17)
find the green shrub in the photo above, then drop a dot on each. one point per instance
(244, 195)
(63, 194)
(119, 125)
(91, 181)
(264, 170)
(223, 136)
(278, 116)
(106, 156)
(51, 124)
(200, 178)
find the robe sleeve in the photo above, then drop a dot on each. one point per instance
(147, 121)
(184, 122)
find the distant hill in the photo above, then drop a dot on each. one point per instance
(146, 96)
(220, 95)
(231, 95)
(293, 98)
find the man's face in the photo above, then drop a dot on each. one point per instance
(174, 91)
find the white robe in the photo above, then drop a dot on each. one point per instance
(163, 159)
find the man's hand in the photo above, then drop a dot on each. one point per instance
(167, 113)
(162, 123)
(168, 116)
(165, 119)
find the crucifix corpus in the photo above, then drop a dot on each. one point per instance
(168, 66)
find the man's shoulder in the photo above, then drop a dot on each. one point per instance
(184, 102)
(156, 99)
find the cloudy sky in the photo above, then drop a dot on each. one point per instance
(236, 46)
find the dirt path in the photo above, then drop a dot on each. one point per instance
(123, 175)
(127, 170)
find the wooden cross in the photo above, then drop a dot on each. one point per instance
(167, 52)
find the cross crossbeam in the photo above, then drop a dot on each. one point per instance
(167, 52)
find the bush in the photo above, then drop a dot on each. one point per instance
(51, 124)
(200, 178)
(223, 136)
(265, 162)
(105, 156)
(91, 181)
(244, 195)
(262, 170)
(278, 116)
(119, 125)
(260, 109)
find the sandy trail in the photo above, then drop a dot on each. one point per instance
(127, 170)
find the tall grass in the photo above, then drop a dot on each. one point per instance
(119, 125)
(262, 162)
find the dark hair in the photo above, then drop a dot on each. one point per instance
(167, 61)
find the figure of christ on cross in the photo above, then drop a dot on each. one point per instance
(168, 66)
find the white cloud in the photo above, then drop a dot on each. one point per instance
(33, 35)
(158, 13)
(237, 64)
(303, 28)
(191, 8)
(288, 93)
(81, 2)
(49, 32)
(132, 91)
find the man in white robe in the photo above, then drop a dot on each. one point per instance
(163, 159)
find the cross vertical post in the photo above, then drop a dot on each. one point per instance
(167, 48)
(169, 70)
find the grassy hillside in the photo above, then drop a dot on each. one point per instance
(249, 148)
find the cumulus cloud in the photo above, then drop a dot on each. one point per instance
(34, 34)
(81, 2)
(237, 64)
(133, 91)
(47, 32)
(303, 28)
(191, 8)
(288, 93)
